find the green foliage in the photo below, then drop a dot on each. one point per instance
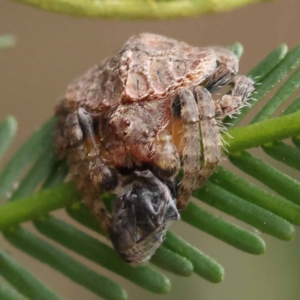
(137, 9)
(22, 280)
(272, 213)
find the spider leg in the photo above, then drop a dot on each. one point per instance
(224, 74)
(200, 132)
(93, 200)
(210, 134)
(70, 142)
(190, 145)
(231, 104)
(227, 68)
(166, 160)
(101, 175)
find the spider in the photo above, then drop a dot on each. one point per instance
(132, 122)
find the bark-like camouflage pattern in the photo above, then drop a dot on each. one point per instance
(131, 122)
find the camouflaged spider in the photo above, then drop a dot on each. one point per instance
(132, 122)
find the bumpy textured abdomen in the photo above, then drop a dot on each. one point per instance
(158, 66)
(148, 67)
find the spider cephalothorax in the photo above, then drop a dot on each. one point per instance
(149, 109)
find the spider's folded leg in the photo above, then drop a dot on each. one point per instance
(190, 145)
(227, 67)
(72, 131)
(231, 104)
(225, 74)
(166, 161)
(102, 176)
(210, 135)
(201, 141)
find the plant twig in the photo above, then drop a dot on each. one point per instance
(270, 130)
(34, 206)
(137, 9)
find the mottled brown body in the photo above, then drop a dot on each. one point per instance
(143, 109)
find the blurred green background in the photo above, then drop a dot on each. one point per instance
(53, 49)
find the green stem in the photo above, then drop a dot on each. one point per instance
(270, 130)
(38, 204)
(137, 9)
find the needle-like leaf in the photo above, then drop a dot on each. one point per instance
(8, 130)
(23, 280)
